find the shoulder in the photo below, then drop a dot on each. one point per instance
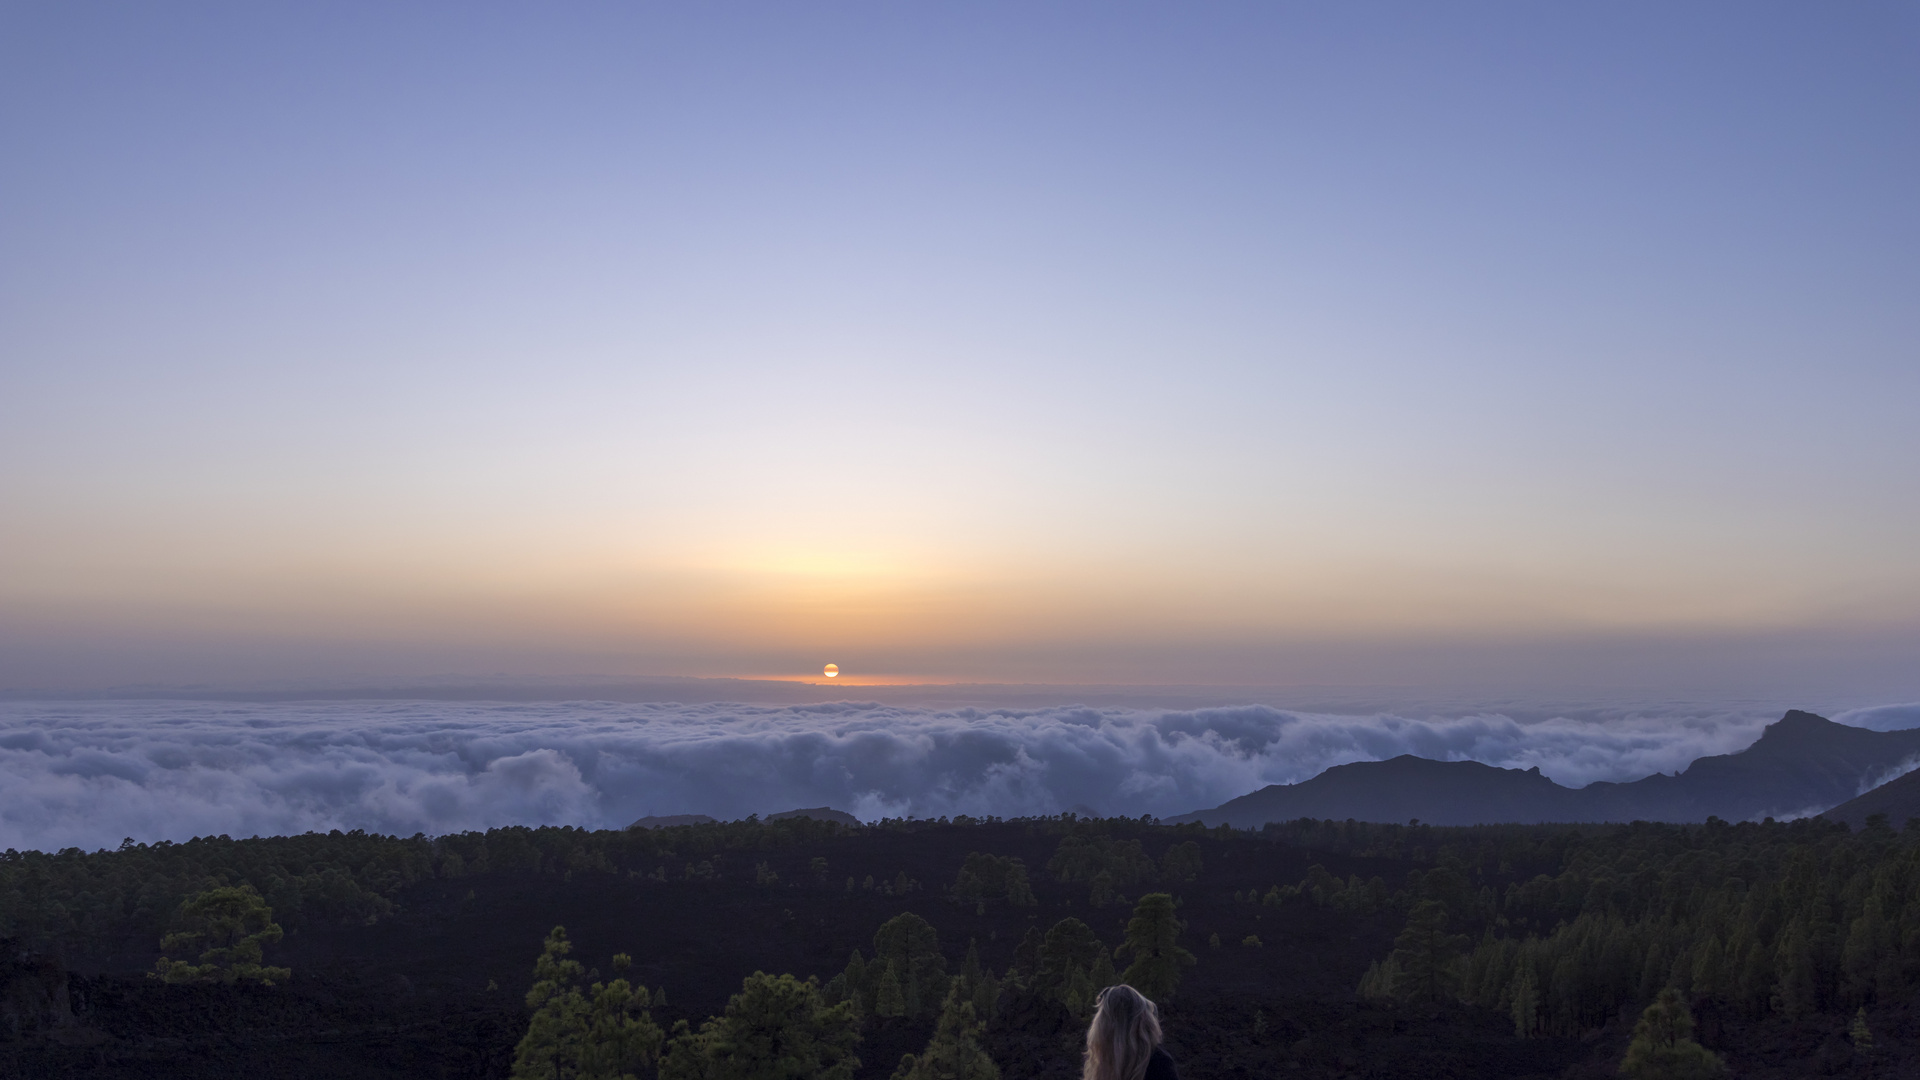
(1160, 1066)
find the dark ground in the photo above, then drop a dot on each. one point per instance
(410, 996)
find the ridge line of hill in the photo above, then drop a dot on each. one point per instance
(1802, 764)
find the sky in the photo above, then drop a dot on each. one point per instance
(1267, 344)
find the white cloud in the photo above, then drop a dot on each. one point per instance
(89, 773)
(1883, 717)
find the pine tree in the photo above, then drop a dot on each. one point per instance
(621, 1038)
(1080, 995)
(1065, 963)
(1663, 1046)
(1102, 891)
(1707, 965)
(1653, 972)
(954, 1052)
(1153, 936)
(976, 984)
(550, 1050)
(1181, 862)
(1380, 981)
(853, 985)
(232, 926)
(1019, 889)
(1424, 952)
(1025, 969)
(1102, 974)
(775, 1028)
(911, 946)
(888, 998)
(1755, 980)
(967, 887)
(1862, 1038)
(1868, 941)
(1526, 1003)
(1794, 994)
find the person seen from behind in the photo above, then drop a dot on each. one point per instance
(1123, 1042)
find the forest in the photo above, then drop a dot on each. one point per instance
(964, 947)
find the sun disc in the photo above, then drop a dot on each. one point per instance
(833, 671)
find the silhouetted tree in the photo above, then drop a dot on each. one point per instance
(909, 946)
(776, 1028)
(621, 1038)
(1796, 992)
(1425, 952)
(1080, 858)
(1869, 942)
(231, 926)
(1102, 892)
(954, 1052)
(977, 985)
(550, 1050)
(1064, 969)
(1019, 889)
(1101, 977)
(1382, 980)
(1708, 962)
(1526, 1003)
(1663, 1046)
(1858, 1032)
(853, 985)
(888, 998)
(1181, 861)
(1153, 937)
(1025, 967)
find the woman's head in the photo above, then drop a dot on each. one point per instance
(1125, 1029)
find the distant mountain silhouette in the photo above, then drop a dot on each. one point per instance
(1400, 789)
(667, 821)
(818, 813)
(1800, 765)
(1898, 799)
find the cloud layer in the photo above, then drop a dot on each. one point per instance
(87, 774)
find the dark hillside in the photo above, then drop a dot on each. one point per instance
(448, 938)
(411, 956)
(1898, 799)
(1800, 765)
(1405, 788)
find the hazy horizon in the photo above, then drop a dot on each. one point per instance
(89, 773)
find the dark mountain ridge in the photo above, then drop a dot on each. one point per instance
(1802, 764)
(1898, 799)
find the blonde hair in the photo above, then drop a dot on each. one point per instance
(1125, 1029)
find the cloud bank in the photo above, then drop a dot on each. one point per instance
(87, 774)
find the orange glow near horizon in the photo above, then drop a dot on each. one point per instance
(902, 394)
(845, 679)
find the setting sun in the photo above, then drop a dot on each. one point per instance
(833, 671)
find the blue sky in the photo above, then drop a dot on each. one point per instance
(1248, 343)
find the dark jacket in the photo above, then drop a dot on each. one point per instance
(1160, 1066)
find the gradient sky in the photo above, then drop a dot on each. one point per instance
(1255, 343)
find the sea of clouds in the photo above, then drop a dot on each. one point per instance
(87, 774)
